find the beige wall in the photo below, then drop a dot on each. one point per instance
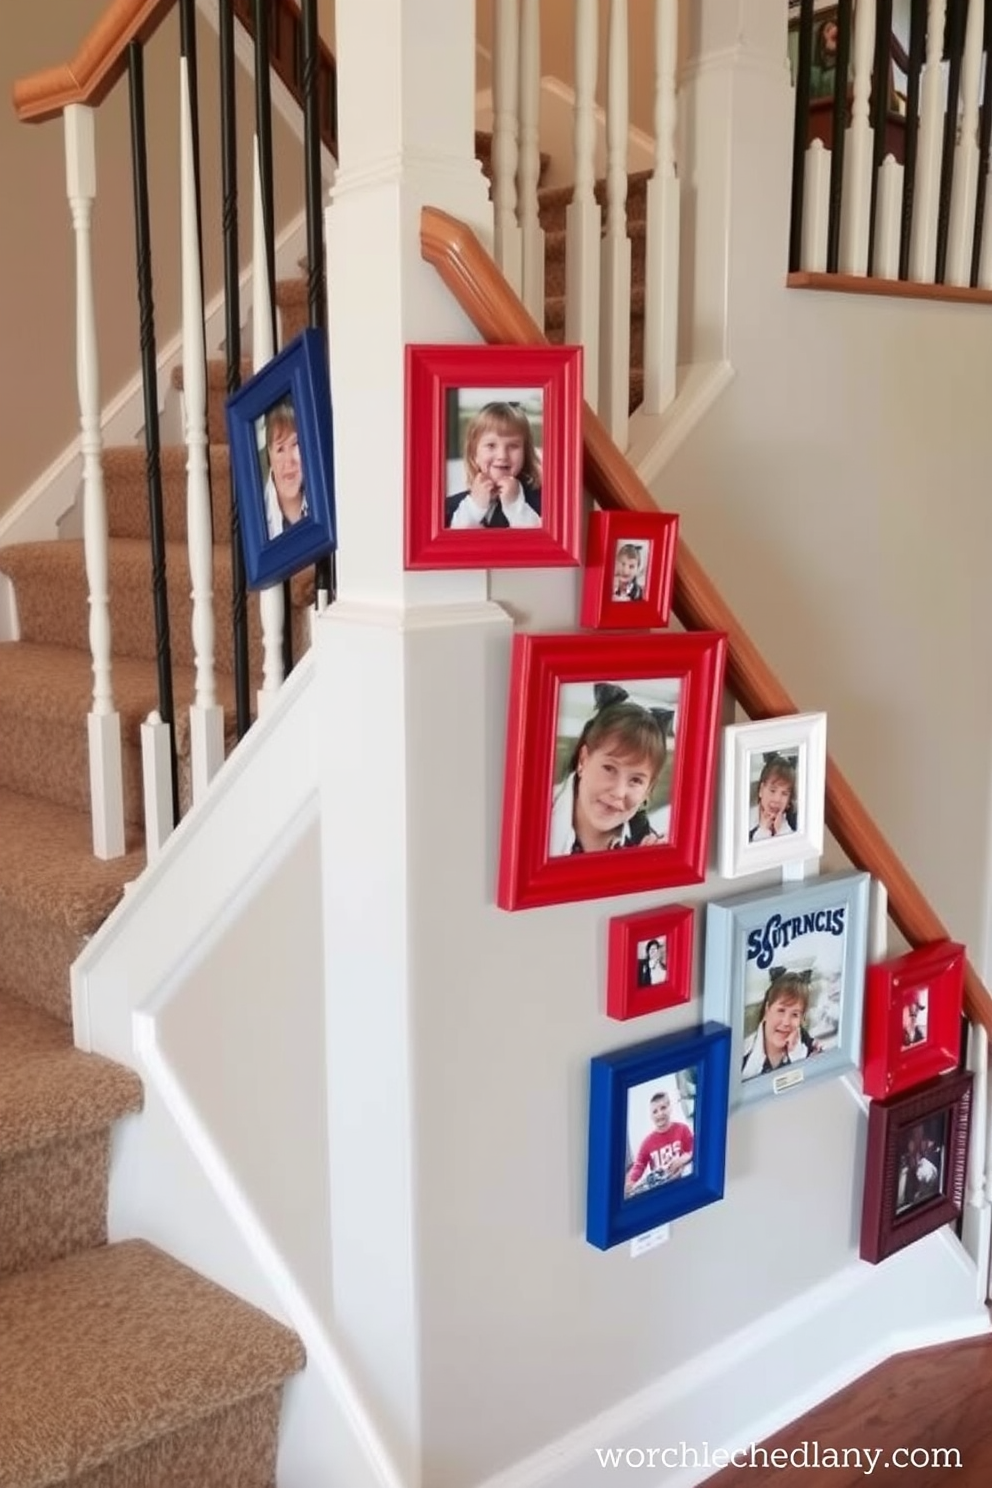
(37, 297)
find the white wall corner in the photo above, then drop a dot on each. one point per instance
(653, 439)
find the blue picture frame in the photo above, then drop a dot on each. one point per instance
(290, 396)
(785, 968)
(626, 1089)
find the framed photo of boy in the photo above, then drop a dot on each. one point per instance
(773, 779)
(493, 456)
(657, 1132)
(629, 570)
(649, 961)
(913, 1018)
(610, 761)
(915, 1164)
(282, 462)
(785, 967)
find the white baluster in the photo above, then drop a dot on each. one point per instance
(614, 377)
(206, 715)
(878, 921)
(923, 244)
(583, 218)
(506, 91)
(858, 147)
(156, 777)
(661, 274)
(888, 219)
(531, 232)
(272, 608)
(976, 1220)
(964, 183)
(985, 258)
(816, 209)
(103, 723)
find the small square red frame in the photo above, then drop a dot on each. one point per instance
(631, 991)
(530, 873)
(436, 375)
(608, 534)
(889, 1064)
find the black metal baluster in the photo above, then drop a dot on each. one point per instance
(800, 134)
(324, 577)
(149, 379)
(954, 36)
(879, 111)
(984, 139)
(844, 12)
(917, 47)
(232, 336)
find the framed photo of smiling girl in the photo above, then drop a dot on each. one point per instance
(610, 760)
(493, 456)
(773, 782)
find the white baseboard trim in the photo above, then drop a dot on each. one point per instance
(654, 438)
(755, 1382)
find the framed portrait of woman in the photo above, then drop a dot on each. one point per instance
(610, 758)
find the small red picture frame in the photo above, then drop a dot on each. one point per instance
(629, 570)
(913, 1018)
(649, 961)
(493, 456)
(611, 746)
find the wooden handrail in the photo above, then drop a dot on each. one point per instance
(102, 60)
(498, 315)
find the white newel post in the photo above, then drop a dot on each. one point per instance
(583, 217)
(923, 244)
(531, 231)
(402, 662)
(735, 156)
(506, 109)
(856, 204)
(964, 183)
(103, 723)
(614, 376)
(661, 276)
(206, 716)
(976, 1226)
(271, 603)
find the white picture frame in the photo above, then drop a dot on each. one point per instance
(794, 746)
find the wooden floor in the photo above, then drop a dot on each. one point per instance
(935, 1398)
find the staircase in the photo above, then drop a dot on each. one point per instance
(119, 1367)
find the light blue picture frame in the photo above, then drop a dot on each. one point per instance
(809, 943)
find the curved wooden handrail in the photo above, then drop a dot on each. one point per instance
(102, 60)
(499, 316)
(96, 67)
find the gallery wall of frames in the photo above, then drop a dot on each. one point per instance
(619, 776)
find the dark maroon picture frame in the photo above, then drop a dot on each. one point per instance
(883, 1232)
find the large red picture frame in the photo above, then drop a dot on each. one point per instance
(913, 1018)
(657, 831)
(449, 390)
(636, 982)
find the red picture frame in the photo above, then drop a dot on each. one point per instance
(452, 393)
(919, 1138)
(632, 552)
(913, 1018)
(555, 802)
(640, 981)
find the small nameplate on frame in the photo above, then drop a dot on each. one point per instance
(786, 1080)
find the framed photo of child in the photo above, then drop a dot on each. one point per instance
(773, 782)
(913, 1018)
(282, 462)
(657, 1132)
(649, 961)
(610, 762)
(915, 1164)
(493, 456)
(785, 967)
(629, 570)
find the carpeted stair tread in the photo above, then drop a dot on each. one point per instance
(47, 867)
(124, 479)
(49, 1088)
(107, 1350)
